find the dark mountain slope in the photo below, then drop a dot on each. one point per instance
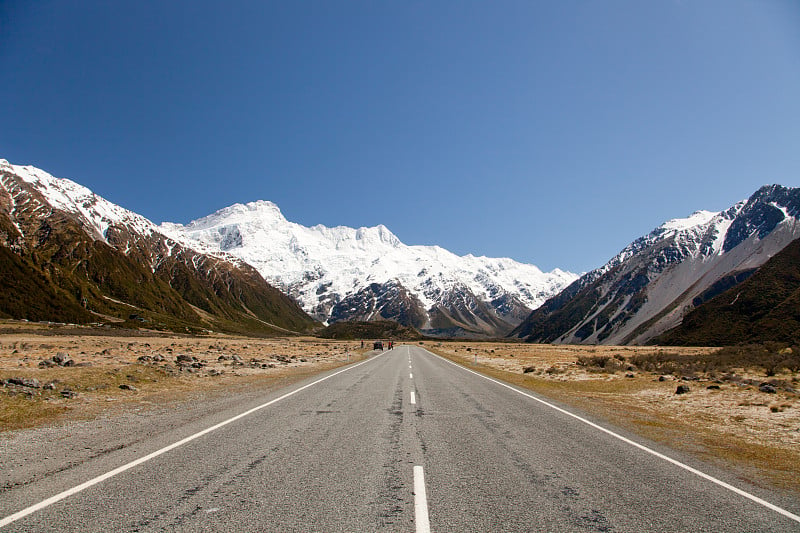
(765, 307)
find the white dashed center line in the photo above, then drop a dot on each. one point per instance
(420, 502)
(413, 398)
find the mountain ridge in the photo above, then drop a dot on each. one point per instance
(342, 273)
(83, 258)
(648, 287)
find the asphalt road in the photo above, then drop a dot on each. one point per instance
(401, 442)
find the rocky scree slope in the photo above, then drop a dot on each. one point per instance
(68, 255)
(366, 274)
(654, 282)
(765, 307)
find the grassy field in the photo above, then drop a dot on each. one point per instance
(121, 372)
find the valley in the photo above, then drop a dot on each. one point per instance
(254, 449)
(724, 417)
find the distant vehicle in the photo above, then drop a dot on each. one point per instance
(377, 346)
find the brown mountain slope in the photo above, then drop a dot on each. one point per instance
(57, 267)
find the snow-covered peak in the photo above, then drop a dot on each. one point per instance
(695, 219)
(314, 262)
(261, 210)
(64, 194)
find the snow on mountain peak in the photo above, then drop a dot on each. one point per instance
(313, 263)
(261, 210)
(697, 218)
(64, 194)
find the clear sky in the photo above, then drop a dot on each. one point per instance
(552, 132)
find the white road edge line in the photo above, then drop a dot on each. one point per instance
(83, 486)
(740, 492)
(413, 398)
(420, 502)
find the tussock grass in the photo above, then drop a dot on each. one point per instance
(770, 359)
(95, 388)
(22, 407)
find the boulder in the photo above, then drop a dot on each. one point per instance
(62, 359)
(32, 383)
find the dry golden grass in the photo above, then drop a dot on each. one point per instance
(756, 433)
(104, 363)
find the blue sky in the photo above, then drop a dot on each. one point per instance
(552, 132)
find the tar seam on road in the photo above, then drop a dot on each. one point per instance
(740, 492)
(69, 492)
(420, 502)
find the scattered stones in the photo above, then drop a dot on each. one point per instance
(528, 369)
(184, 359)
(662, 378)
(766, 387)
(67, 393)
(32, 383)
(682, 389)
(59, 359)
(713, 387)
(126, 386)
(145, 359)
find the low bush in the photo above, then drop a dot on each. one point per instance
(770, 357)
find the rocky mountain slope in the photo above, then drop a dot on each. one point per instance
(366, 274)
(765, 307)
(649, 287)
(68, 255)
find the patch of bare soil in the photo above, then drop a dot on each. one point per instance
(742, 419)
(47, 377)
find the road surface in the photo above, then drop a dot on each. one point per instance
(404, 441)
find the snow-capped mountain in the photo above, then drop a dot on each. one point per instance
(650, 285)
(344, 273)
(70, 255)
